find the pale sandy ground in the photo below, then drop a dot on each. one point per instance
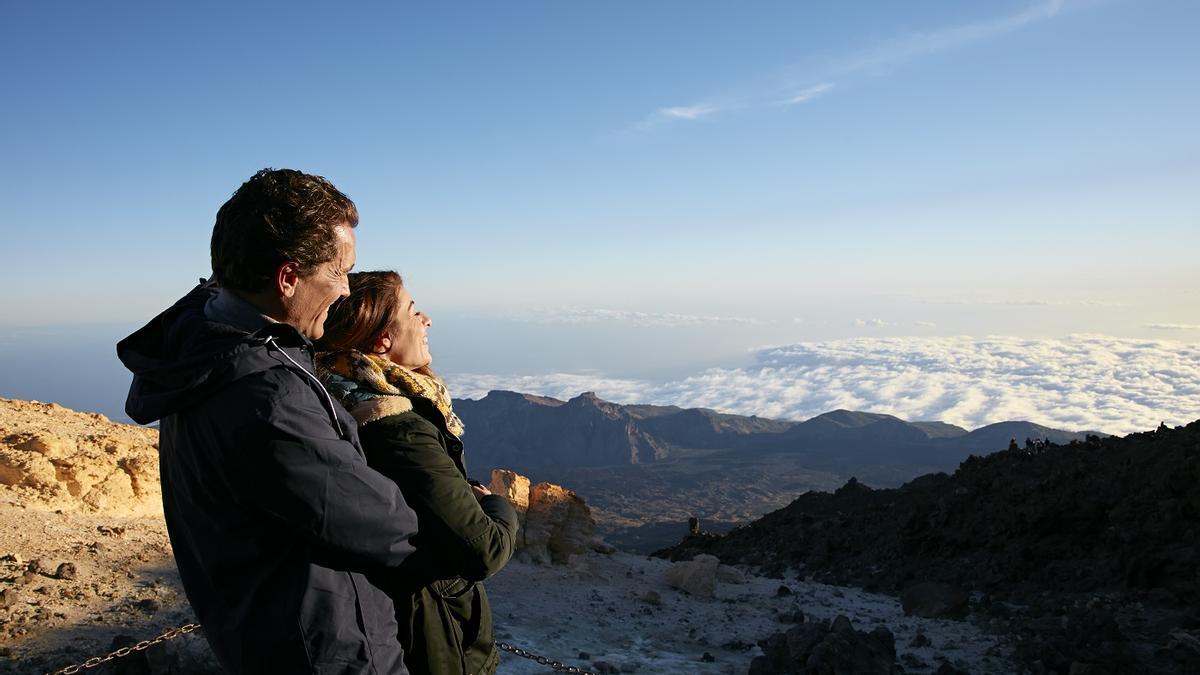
(595, 606)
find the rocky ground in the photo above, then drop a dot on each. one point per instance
(85, 563)
(1088, 553)
(86, 568)
(620, 613)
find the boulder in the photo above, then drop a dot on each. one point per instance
(512, 486)
(730, 575)
(697, 576)
(827, 647)
(555, 522)
(934, 600)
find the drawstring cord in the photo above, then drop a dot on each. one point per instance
(329, 399)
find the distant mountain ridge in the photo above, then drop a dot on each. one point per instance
(645, 469)
(527, 432)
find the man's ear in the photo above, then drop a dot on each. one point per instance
(287, 276)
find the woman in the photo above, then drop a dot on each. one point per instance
(375, 359)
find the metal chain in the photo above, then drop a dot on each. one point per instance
(169, 634)
(172, 633)
(556, 666)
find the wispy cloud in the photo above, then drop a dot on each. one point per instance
(799, 85)
(807, 94)
(871, 323)
(571, 315)
(1024, 302)
(1172, 326)
(682, 112)
(691, 112)
(910, 46)
(1079, 382)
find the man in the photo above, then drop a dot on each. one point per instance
(272, 511)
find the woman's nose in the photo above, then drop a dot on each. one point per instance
(426, 320)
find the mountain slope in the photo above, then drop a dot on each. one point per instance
(1117, 519)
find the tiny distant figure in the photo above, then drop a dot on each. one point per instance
(273, 513)
(693, 525)
(1029, 443)
(375, 359)
(1012, 445)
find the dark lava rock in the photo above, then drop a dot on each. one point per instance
(783, 592)
(149, 605)
(65, 571)
(707, 658)
(935, 601)
(1106, 514)
(1033, 528)
(919, 640)
(824, 647)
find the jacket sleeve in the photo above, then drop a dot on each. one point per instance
(472, 538)
(302, 472)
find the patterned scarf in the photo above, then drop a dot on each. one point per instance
(354, 377)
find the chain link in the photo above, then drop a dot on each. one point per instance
(172, 633)
(169, 634)
(556, 666)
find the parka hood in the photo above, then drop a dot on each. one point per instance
(181, 357)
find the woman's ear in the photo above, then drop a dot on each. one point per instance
(383, 342)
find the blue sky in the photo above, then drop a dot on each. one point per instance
(634, 189)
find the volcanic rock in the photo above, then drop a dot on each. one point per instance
(827, 647)
(695, 577)
(935, 601)
(555, 522)
(1039, 530)
(61, 459)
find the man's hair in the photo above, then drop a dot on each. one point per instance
(276, 216)
(355, 321)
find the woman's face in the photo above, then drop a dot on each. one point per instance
(406, 342)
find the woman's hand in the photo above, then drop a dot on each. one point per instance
(479, 490)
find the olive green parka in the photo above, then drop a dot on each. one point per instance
(441, 607)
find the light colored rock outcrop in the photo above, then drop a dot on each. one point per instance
(60, 459)
(697, 576)
(512, 486)
(555, 522)
(730, 575)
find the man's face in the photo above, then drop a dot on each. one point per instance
(308, 306)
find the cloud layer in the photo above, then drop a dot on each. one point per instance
(1080, 382)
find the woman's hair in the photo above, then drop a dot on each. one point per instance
(355, 321)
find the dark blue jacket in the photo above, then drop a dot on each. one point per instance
(273, 513)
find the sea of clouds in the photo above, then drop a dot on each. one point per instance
(1080, 382)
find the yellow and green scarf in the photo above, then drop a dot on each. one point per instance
(354, 378)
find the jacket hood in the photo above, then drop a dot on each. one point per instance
(181, 357)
